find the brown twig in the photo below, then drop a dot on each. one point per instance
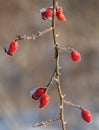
(57, 68)
(73, 105)
(51, 80)
(33, 36)
(46, 123)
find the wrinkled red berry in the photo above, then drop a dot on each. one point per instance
(86, 115)
(60, 15)
(44, 100)
(12, 48)
(75, 55)
(46, 13)
(38, 92)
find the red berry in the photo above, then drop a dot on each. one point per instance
(61, 17)
(86, 115)
(44, 100)
(47, 13)
(75, 55)
(38, 92)
(12, 48)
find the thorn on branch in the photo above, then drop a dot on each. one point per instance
(57, 35)
(63, 96)
(59, 73)
(65, 123)
(39, 34)
(61, 107)
(60, 67)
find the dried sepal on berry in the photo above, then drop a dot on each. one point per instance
(75, 55)
(36, 93)
(46, 13)
(86, 115)
(12, 48)
(44, 100)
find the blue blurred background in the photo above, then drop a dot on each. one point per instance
(33, 64)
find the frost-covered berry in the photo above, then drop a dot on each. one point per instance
(38, 92)
(46, 13)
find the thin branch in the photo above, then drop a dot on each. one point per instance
(46, 123)
(51, 80)
(57, 62)
(73, 105)
(68, 49)
(34, 35)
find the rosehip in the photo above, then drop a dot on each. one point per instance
(44, 100)
(86, 115)
(38, 92)
(12, 48)
(75, 55)
(46, 13)
(60, 15)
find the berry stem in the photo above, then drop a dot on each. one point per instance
(51, 80)
(73, 105)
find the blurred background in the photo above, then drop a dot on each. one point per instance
(33, 64)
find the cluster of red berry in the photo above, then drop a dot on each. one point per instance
(40, 94)
(47, 13)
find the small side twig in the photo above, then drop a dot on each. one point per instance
(46, 122)
(73, 105)
(69, 49)
(51, 79)
(33, 36)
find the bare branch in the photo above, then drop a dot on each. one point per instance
(73, 105)
(34, 35)
(50, 122)
(52, 79)
(57, 69)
